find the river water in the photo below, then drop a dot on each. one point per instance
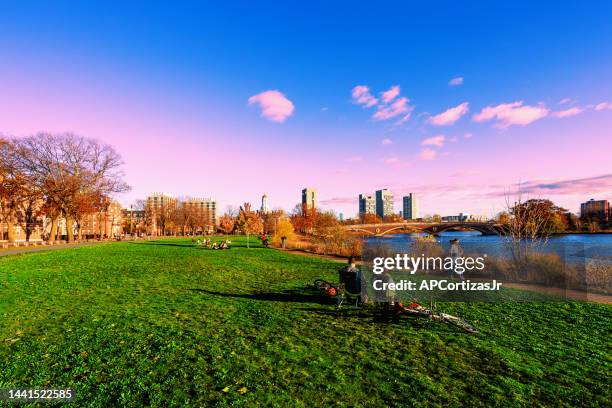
(571, 247)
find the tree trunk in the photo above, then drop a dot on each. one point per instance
(53, 232)
(70, 228)
(10, 228)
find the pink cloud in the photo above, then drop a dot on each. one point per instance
(362, 96)
(391, 94)
(428, 154)
(456, 81)
(508, 114)
(450, 116)
(565, 101)
(568, 112)
(468, 135)
(603, 105)
(399, 107)
(354, 159)
(434, 141)
(588, 185)
(391, 160)
(387, 141)
(274, 105)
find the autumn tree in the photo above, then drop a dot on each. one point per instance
(226, 223)
(303, 218)
(248, 221)
(64, 167)
(370, 219)
(271, 219)
(284, 228)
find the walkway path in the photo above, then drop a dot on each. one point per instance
(16, 251)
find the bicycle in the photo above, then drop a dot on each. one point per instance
(417, 310)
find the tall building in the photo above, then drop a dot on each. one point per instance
(204, 209)
(410, 207)
(160, 206)
(367, 204)
(160, 201)
(384, 203)
(265, 207)
(595, 209)
(309, 198)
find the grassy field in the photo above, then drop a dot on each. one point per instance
(164, 323)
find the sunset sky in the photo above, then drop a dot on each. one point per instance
(454, 101)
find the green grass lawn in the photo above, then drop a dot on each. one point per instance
(164, 323)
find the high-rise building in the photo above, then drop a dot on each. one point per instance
(309, 198)
(384, 203)
(265, 207)
(410, 207)
(204, 210)
(595, 209)
(159, 201)
(367, 204)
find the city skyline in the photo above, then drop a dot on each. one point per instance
(459, 115)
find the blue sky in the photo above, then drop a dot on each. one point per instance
(170, 83)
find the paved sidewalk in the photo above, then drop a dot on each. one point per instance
(16, 251)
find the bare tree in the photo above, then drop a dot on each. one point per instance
(66, 166)
(528, 229)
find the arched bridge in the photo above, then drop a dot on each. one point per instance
(485, 228)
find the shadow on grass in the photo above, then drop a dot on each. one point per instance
(194, 246)
(290, 295)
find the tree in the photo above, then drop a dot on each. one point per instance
(271, 219)
(303, 218)
(370, 219)
(64, 167)
(284, 228)
(530, 224)
(248, 221)
(226, 223)
(16, 190)
(393, 218)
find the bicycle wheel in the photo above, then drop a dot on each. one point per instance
(321, 284)
(460, 323)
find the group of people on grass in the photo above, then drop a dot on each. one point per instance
(207, 243)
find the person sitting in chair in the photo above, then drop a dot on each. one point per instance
(351, 277)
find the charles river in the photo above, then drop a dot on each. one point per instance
(570, 247)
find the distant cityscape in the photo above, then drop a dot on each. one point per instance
(159, 211)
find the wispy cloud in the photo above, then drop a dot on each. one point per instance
(568, 112)
(588, 185)
(468, 135)
(456, 81)
(362, 96)
(389, 106)
(450, 116)
(508, 114)
(399, 107)
(354, 159)
(603, 105)
(565, 101)
(434, 141)
(428, 154)
(390, 94)
(274, 105)
(387, 141)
